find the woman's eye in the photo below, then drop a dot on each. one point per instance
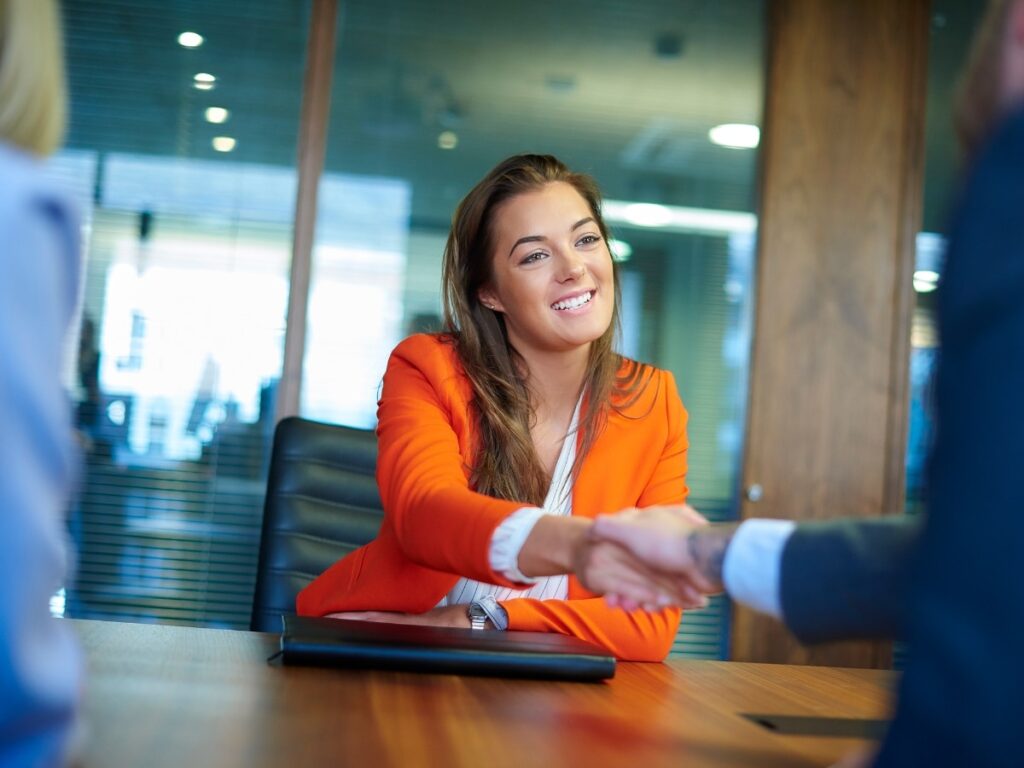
(535, 256)
(588, 240)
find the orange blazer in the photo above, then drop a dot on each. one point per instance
(436, 529)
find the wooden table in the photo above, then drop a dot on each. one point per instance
(182, 696)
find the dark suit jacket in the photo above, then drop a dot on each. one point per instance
(962, 696)
(847, 579)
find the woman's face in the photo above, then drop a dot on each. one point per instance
(552, 271)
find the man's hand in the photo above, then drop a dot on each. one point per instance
(675, 542)
(606, 568)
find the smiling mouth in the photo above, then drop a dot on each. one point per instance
(575, 302)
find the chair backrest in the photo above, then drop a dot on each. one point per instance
(322, 503)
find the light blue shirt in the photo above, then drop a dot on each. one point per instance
(40, 662)
(753, 564)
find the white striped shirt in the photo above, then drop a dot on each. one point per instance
(509, 537)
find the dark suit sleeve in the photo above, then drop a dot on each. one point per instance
(962, 696)
(847, 579)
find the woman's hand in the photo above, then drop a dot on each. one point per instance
(643, 557)
(448, 616)
(627, 582)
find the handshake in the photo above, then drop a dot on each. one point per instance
(653, 557)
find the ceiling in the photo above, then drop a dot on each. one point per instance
(624, 90)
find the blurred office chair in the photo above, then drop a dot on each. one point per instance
(322, 503)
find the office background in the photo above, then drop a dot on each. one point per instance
(183, 158)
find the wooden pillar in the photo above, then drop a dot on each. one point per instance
(316, 109)
(841, 193)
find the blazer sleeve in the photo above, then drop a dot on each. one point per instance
(847, 579)
(438, 521)
(668, 482)
(630, 635)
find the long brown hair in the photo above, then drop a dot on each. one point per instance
(506, 464)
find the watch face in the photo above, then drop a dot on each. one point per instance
(477, 616)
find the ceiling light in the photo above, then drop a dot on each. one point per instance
(926, 280)
(223, 143)
(621, 250)
(676, 218)
(735, 135)
(204, 81)
(216, 115)
(447, 140)
(190, 39)
(646, 214)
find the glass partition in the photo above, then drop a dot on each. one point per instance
(428, 97)
(184, 118)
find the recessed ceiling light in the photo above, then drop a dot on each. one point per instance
(216, 115)
(203, 81)
(190, 39)
(223, 143)
(447, 140)
(735, 135)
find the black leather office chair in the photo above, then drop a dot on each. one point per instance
(322, 503)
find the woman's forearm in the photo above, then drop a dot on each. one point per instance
(551, 545)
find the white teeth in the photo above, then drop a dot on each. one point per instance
(575, 302)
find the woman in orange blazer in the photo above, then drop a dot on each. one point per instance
(500, 440)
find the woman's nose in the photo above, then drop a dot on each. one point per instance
(572, 268)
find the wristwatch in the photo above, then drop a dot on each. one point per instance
(477, 616)
(487, 609)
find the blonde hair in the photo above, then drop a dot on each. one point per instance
(33, 92)
(977, 104)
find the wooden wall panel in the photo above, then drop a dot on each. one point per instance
(840, 206)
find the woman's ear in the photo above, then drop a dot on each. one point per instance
(489, 299)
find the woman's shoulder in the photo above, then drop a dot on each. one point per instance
(27, 182)
(430, 349)
(642, 388)
(37, 218)
(433, 355)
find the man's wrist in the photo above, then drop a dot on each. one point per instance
(707, 546)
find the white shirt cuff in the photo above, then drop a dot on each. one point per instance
(508, 541)
(753, 563)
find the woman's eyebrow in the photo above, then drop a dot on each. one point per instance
(541, 238)
(527, 239)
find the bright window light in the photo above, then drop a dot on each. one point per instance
(735, 135)
(223, 143)
(216, 115)
(190, 39)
